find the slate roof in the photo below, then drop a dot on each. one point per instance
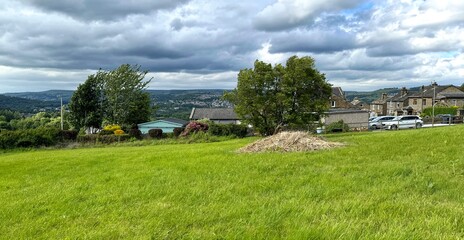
(213, 114)
(337, 91)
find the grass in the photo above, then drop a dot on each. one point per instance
(382, 185)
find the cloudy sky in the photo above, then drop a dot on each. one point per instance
(192, 44)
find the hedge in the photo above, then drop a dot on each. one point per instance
(155, 133)
(440, 110)
(96, 138)
(228, 130)
(30, 138)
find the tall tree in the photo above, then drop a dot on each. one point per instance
(272, 97)
(127, 102)
(86, 105)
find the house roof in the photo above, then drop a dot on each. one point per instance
(213, 114)
(174, 121)
(343, 111)
(337, 91)
(451, 95)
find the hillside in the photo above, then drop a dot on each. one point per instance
(25, 105)
(170, 103)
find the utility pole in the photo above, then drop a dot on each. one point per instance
(62, 113)
(433, 104)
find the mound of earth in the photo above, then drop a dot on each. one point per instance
(290, 142)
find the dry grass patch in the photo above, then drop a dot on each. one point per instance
(290, 142)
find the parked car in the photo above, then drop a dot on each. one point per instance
(406, 121)
(376, 123)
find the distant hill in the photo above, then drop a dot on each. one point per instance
(169, 103)
(25, 105)
(50, 95)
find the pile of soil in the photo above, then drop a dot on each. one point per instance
(289, 142)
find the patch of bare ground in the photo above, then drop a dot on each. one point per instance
(290, 142)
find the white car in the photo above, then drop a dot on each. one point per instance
(406, 121)
(376, 123)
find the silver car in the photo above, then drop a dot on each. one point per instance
(376, 123)
(406, 121)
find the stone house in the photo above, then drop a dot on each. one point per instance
(338, 99)
(414, 103)
(379, 106)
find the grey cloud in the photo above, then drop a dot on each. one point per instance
(402, 48)
(104, 9)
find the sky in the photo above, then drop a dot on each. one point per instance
(360, 45)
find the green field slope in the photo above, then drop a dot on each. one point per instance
(382, 185)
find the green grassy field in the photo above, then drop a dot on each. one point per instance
(381, 185)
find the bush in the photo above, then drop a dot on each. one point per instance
(89, 138)
(106, 132)
(68, 135)
(155, 133)
(135, 133)
(112, 127)
(29, 138)
(106, 139)
(228, 130)
(439, 110)
(177, 131)
(194, 127)
(118, 132)
(339, 126)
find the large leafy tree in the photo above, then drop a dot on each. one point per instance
(116, 97)
(86, 105)
(272, 97)
(127, 102)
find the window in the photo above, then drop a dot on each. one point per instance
(424, 101)
(333, 103)
(414, 101)
(398, 105)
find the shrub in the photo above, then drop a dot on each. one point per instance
(112, 127)
(118, 132)
(439, 110)
(339, 126)
(177, 131)
(29, 138)
(106, 132)
(89, 138)
(135, 133)
(68, 135)
(106, 139)
(194, 127)
(155, 133)
(228, 130)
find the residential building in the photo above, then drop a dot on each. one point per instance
(167, 125)
(338, 99)
(217, 115)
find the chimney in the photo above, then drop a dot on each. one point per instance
(384, 96)
(404, 91)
